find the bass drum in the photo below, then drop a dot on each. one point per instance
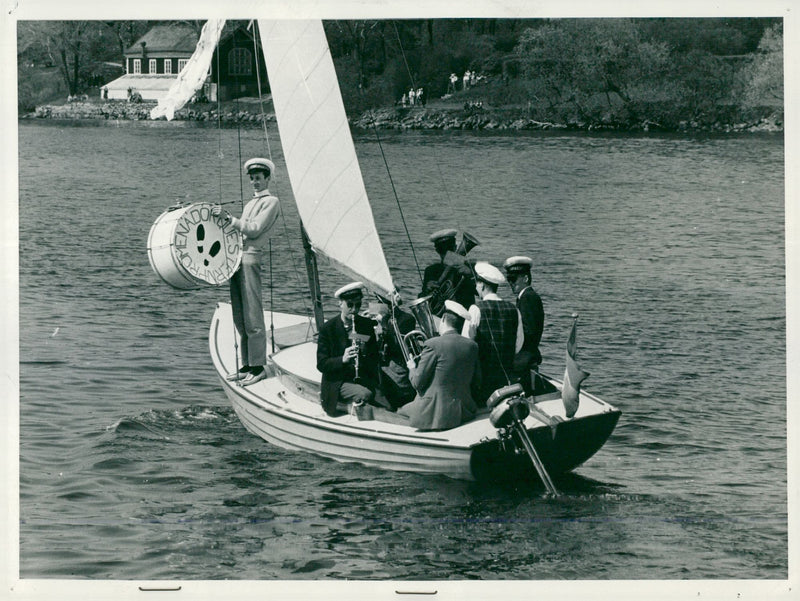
(190, 248)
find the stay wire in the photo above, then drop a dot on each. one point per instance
(287, 234)
(219, 136)
(492, 337)
(397, 200)
(238, 130)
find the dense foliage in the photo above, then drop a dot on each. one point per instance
(664, 70)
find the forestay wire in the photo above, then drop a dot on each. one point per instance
(450, 204)
(268, 147)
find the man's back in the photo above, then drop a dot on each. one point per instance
(442, 378)
(496, 338)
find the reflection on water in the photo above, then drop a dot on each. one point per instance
(132, 464)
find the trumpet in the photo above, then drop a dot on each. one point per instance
(446, 287)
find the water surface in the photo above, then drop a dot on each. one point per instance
(671, 249)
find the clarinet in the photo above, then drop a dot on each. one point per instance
(358, 344)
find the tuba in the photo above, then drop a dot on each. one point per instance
(410, 342)
(447, 288)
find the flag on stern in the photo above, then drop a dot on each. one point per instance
(573, 374)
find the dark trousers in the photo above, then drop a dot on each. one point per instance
(524, 364)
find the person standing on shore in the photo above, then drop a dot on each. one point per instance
(258, 216)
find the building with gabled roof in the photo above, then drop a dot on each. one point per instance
(153, 62)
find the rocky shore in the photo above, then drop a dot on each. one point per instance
(405, 118)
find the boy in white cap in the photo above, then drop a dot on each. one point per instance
(496, 327)
(258, 217)
(531, 310)
(445, 375)
(344, 342)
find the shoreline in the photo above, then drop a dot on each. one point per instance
(398, 118)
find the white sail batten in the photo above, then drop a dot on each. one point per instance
(319, 152)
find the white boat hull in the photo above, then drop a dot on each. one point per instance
(284, 410)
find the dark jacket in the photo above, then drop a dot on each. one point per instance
(331, 343)
(461, 278)
(532, 311)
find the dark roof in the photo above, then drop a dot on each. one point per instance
(167, 38)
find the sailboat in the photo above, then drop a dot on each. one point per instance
(504, 441)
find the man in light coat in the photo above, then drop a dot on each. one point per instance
(444, 376)
(258, 217)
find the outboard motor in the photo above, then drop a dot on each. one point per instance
(509, 410)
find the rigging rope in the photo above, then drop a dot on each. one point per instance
(397, 200)
(287, 235)
(450, 205)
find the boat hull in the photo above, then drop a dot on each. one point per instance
(284, 410)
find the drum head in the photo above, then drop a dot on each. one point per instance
(189, 247)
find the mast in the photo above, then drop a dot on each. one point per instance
(313, 278)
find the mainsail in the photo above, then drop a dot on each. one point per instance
(318, 149)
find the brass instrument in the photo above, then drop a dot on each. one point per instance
(410, 343)
(445, 288)
(421, 310)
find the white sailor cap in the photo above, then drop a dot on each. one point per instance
(259, 164)
(457, 309)
(349, 291)
(489, 273)
(442, 234)
(518, 264)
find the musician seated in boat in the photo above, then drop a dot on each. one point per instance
(450, 277)
(347, 353)
(444, 375)
(395, 384)
(497, 328)
(531, 311)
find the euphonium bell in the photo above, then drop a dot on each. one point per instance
(468, 242)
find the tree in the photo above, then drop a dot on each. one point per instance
(763, 75)
(66, 43)
(577, 60)
(125, 33)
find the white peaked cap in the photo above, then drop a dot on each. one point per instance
(456, 308)
(489, 273)
(259, 163)
(349, 290)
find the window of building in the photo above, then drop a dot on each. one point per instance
(182, 63)
(152, 66)
(137, 66)
(168, 66)
(239, 62)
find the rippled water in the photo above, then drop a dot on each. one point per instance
(671, 249)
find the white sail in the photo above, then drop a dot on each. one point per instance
(193, 74)
(318, 149)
